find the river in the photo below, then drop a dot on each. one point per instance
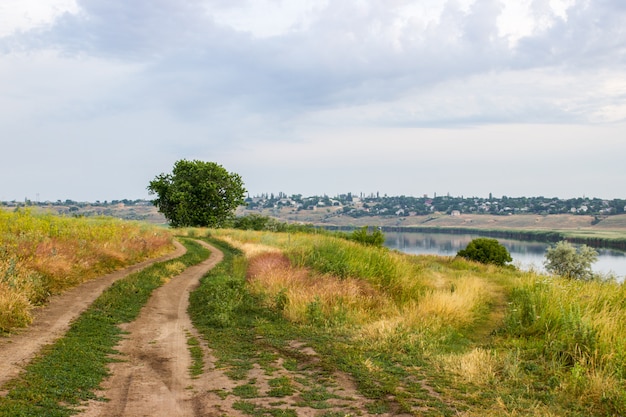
(525, 254)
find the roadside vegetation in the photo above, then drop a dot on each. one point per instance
(68, 372)
(42, 255)
(421, 335)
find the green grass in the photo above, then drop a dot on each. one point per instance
(248, 390)
(68, 372)
(251, 409)
(197, 356)
(280, 387)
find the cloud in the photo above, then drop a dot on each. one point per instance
(348, 54)
(270, 80)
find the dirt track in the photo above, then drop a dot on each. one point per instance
(154, 376)
(53, 320)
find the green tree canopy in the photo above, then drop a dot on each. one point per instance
(486, 251)
(197, 194)
(565, 260)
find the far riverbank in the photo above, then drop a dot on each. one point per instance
(606, 232)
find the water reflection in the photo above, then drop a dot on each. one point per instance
(525, 254)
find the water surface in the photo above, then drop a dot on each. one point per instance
(525, 254)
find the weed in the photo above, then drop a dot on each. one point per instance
(256, 410)
(317, 397)
(280, 387)
(248, 390)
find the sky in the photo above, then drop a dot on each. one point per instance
(314, 97)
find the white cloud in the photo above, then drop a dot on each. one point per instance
(23, 15)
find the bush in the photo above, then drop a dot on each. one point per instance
(486, 251)
(362, 235)
(259, 222)
(565, 260)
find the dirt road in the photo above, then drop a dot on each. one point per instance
(53, 320)
(154, 378)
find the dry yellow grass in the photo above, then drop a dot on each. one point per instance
(478, 366)
(270, 272)
(445, 306)
(14, 308)
(250, 249)
(444, 300)
(43, 254)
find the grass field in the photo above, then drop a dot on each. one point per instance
(420, 335)
(42, 254)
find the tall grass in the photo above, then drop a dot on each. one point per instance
(580, 329)
(43, 254)
(496, 341)
(417, 289)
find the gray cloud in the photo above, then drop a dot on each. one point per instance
(349, 55)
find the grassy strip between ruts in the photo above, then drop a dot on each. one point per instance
(197, 356)
(67, 372)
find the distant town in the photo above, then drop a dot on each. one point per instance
(402, 206)
(361, 205)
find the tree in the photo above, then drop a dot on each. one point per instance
(197, 194)
(565, 260)
(486, 251)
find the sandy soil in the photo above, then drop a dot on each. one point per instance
(53, 320)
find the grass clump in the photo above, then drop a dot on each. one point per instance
(248, 390)
(42, 254)
(67, 372)
(197, 356)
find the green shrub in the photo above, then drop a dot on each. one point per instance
(565, 260)
(362, 235)
(486, 251)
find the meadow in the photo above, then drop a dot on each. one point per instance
(423, 335)
(42, 255)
